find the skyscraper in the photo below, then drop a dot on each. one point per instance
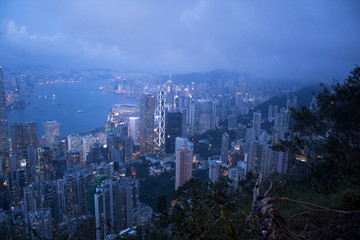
(202, 115)
(214, 171)
(23, 135)
(225, 148)
(173, 129)
(114, 202)
(147, 108)
(74, 142)
(134, 127)
(52, 130)
(160, 118)
(40, 221)
(184, 159)
(4, 135)
(256, 124)
(87, 141)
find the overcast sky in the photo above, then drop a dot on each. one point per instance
(287, 39)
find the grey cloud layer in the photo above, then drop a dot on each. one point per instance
(274, 39)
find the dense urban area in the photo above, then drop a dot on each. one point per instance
(195, 136)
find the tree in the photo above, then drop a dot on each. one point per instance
(328, 134)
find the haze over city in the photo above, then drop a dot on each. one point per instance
(293, 40)
(179, 120)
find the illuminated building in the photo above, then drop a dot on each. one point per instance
(160, 118)
(73, 193)
(44, 170)
(40, 221)
(146, 134)
(87, 141)
(52, 130)
(202, 116)
(121, 129)
(23, 135)
(74, 142)
(184, 159)
(114, 202)
(134, 127)
(4, 134)
(256, 125)
(50, 200)
(73, 157)
(173, 130)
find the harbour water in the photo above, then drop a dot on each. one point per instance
(79, 107)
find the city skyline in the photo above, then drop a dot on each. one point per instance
(168, 120)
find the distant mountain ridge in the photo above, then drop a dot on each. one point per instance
(304, 98)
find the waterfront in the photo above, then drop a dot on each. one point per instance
(79, 107)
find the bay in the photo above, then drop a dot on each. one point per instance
(79, 107)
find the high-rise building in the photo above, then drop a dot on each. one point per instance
(121, 129)
(50, 200)
(52, 130)
(256, 124)
(160, 118)
(214, 171)
(254, 161)
(17, 140)
(147, 108)
(73, 157)
(225, 142)
(203, 115)
(173, 129)
(114, 201)
(184, 159)
(44, 169)
(23, 135)
(74, 142)
(232, 122)
(134, 127)
(87, 141)
(4, 134)
(40, 221)
(73, 193)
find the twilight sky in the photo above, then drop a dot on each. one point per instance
(310, 40)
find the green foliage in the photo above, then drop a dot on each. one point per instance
(207, 211)
(151, 187)
(328, 135)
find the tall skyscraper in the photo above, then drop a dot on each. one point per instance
(4, 134)
(225, 141)
(160, 118)
(202, 115)
(87, 141)
(114, 202)
(134, 127)
(256, 124)
(147, 109)
(52, 130)
(173, 129)
(184, 159)
(23, 135)
(17, 138)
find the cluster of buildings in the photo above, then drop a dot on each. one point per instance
(58, 184)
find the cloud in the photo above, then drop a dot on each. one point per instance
(266, 39)
(19, 33)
